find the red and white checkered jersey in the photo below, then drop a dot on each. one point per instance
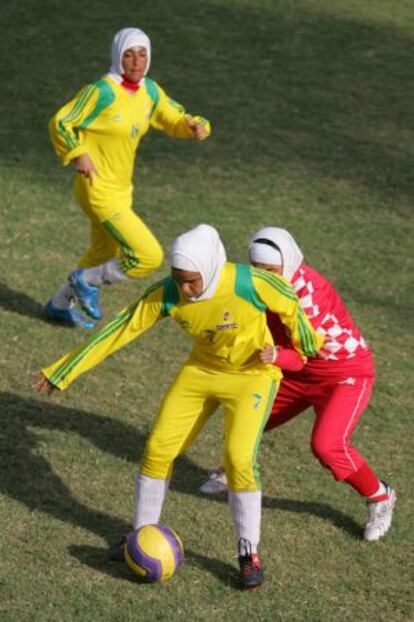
(346, 351)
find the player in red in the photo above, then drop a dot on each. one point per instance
(337, 387)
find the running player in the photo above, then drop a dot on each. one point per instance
(338, 387)
(99, 132)
(222, 306)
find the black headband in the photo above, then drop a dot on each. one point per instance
(269, 243)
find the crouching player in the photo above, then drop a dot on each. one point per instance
(338, 386)
(222, 306)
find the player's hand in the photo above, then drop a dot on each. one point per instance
(268, 354)
(84, 165)
(198, 126)
(42, 385)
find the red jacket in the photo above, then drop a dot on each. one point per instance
(346, 352)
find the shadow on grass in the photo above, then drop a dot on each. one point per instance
(29, 478)
(17, 302)
(96, 558)
(226, 573)
(321, 510)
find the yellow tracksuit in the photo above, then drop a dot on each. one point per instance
(108, 122)
(223, 367)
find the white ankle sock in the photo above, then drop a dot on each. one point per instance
(149, 497)
(108, 273)
(64, 297)
(113, 272)
(246, 509)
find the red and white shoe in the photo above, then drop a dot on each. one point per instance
(251, 573)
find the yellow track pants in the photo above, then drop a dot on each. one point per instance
(191, 400)
(117, 231)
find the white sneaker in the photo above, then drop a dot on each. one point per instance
(215, 484)
(380, 516)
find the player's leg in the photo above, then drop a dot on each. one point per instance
(102, 247)
(247, 401)
(290, 401)
(139, 254)
(338, 411)
(185, 409)
(92, 269)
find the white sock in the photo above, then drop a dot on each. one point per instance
(149, 497)
(108, 273)
(64, 297)
(246, 509)
(113, 272)
(381, 491)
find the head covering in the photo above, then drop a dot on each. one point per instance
(275, 246)
(123, 40)
(200, 250)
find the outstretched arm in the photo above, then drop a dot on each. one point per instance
(124, 328)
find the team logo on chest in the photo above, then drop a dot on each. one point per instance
(226, 322)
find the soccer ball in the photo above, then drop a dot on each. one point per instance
(154, 552)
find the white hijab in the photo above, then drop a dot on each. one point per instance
(200, 250)
(124, 40)
(289, 254)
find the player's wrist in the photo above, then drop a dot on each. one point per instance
(275, 354)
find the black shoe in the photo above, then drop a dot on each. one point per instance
(251, 573)
(116, 552)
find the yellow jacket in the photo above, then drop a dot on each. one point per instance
(227, 329)
(108, 122)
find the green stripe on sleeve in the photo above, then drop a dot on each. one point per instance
(306, 335)
(80, 103)
(152, 91)
(105, 99)
(281, 286)
(170, 296)
(67, 367)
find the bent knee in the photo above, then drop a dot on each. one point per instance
(140, 265)
(324, 451)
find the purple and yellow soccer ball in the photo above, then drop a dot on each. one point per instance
(154, 552)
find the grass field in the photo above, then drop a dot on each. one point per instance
(311, 106)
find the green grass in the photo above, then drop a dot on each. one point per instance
(311, 109)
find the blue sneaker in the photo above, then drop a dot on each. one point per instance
(87, 295)
(68, 317)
